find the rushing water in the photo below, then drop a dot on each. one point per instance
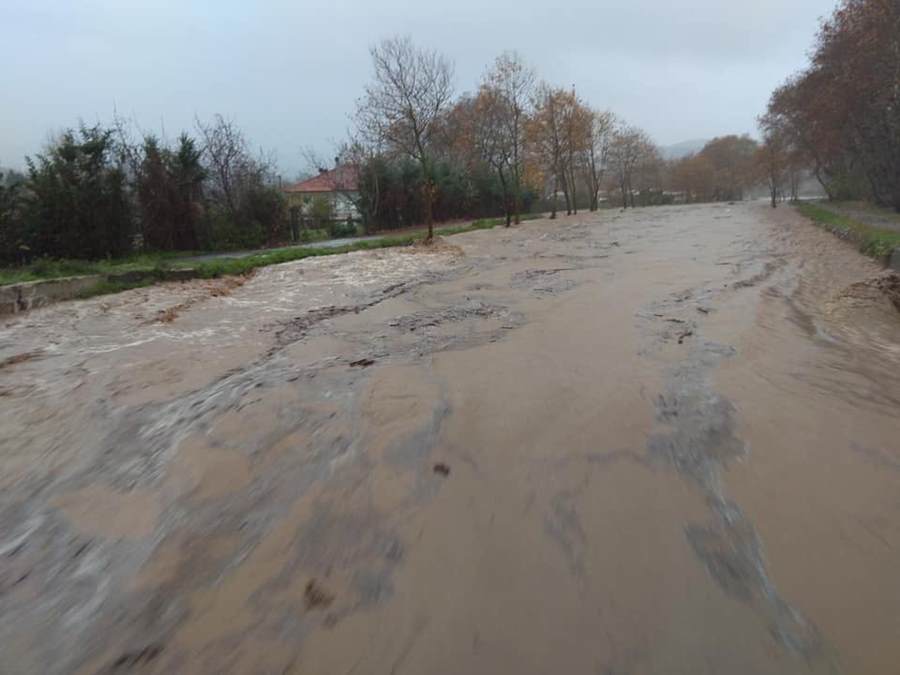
(663, 441)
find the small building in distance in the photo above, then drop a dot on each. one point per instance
(325, 199)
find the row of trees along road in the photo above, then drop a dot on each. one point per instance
(841, 115)
(97, 191)
(532, 137)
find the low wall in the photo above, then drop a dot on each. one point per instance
(15, 298)
(894, 262)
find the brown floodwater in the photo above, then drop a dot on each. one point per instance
(654, 442)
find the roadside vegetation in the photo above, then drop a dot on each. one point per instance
(99, 192)
(873, 241)
(50, 268)
(152, 267)
(841, 115)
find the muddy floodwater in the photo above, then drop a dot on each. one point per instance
(665, 441)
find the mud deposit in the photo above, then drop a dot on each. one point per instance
(648, 443)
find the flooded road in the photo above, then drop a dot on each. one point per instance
(655, 442)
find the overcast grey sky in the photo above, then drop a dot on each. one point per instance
(289, 71)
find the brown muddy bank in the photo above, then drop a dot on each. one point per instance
(654, 442)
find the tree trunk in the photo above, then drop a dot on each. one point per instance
(517, 194)
(553, 205)
(817, 172)
(574, 192)
(565, 182)
(506, 199)
(376, 197)
(517, 173)
(876, 193)
(429, 217)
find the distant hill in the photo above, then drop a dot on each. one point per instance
(683, 149)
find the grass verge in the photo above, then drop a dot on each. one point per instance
(873, 241)
(227, 266)
(55, 269)
(154, 265)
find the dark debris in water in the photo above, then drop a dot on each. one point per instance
(362, 363)
(315, 596)
(442, 469)
(126, 663)
(685, 334)
(20, 358)
(890, 286)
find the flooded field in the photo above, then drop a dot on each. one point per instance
(655, 442)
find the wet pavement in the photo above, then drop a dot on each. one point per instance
(661, 441)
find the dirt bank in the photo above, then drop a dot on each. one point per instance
(654, 442)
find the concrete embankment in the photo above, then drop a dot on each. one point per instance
(894, 261)
(15, 298)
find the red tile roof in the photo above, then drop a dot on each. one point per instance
(344, 178)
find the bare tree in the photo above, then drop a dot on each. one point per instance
(129, 137)
(233, 171)
(514, 82)
(576, 117)
(596, 159)
(492, 137)
(227, 156)
(314, 162)
(403, 106)
(628, 148)
(648, 174)
(547, 139)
